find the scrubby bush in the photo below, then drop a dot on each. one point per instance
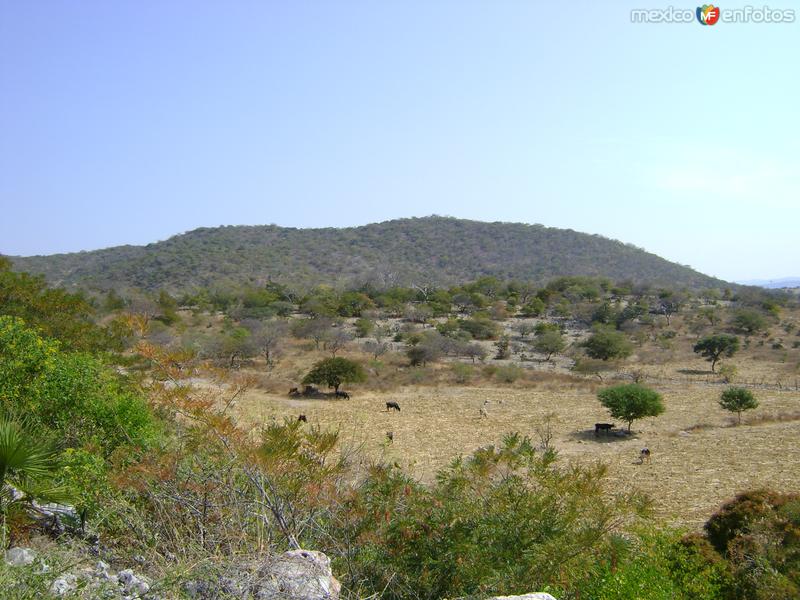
(605, 344)
(504, 521)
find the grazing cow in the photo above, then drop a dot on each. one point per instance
(607, 427)
(294, 392)
(302, 419)
(484, 412)
(390, 437)
(644, 455)
(344, 395)
(392, 405)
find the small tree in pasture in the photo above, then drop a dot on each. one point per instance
(333, 372)
(716, 346)
(630, 402)
(738, 399)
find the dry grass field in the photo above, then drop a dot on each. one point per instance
(698, 458)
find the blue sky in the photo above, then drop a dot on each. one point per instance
(127, 122)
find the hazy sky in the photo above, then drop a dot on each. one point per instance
(127, 122)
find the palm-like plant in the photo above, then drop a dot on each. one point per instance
(27, 466)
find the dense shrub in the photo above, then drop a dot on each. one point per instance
(71, 394)
(504, 521)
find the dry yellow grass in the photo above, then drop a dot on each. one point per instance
(693, 469)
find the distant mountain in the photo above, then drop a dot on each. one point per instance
(786, 282)
(438, 250)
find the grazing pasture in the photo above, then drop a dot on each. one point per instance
(699, 458)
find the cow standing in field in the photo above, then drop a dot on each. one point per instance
(392, 405)
(390, 437)
(484, 412)
(344, 395)
(644, 455)
(302, 419)
(607, 427)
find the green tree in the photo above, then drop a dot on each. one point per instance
(549, 343)
(333, 372)
(605, 344)
(630, 402)
(58, 314)
(738, 399)
(749, 321)
(72, 395)
(716, 346)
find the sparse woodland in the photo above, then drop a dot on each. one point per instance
(169, 420)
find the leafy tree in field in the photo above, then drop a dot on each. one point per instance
(333, 372)
(749, 321)
(605, 344)
(549, 343)
(716, 346)
(738, 399)
(630, 402)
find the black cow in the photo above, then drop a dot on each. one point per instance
(302, 419)
(344, 395)
(392, 405)
(607, 427)
(390, 436)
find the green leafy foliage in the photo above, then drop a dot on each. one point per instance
(607, 344)
(716, 346)
(438, 250)
(758, 533)
(504, 521)
(630, 402)
(738, 399)
(71, 394)
(333, 372)
(58, 314)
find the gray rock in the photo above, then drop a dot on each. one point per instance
(20, 557)
(298, 574)
(132, 584)
(534, 596)
(64, 585)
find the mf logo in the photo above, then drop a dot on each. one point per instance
(708, 14)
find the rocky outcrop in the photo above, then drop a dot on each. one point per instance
(20, 557)
(293, 575)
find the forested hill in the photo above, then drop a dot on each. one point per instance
(430, 250)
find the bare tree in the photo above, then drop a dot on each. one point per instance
(336, 340)
(376, 348)
(267, 337)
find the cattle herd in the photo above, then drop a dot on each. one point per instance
(644, 455)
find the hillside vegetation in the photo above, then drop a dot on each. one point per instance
(423, 251)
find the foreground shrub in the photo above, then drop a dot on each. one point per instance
(759, 534)
(506, 520)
